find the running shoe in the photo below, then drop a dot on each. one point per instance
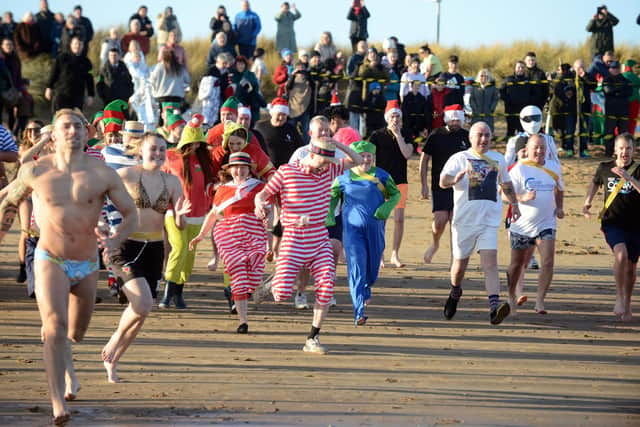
(300, 302)
(263, 291)
(450, 308)
(584, 154)
(313, 346)
(498, 314)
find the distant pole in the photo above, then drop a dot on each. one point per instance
(437, 20)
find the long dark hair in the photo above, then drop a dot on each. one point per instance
(202, 153)
(170, 62)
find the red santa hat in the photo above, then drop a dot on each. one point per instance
(335, 101)
(393, 106)
(244, 111)
(453, 112)
(279, 105)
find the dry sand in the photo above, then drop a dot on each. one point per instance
(407, 366)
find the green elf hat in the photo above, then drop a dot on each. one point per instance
(170, 105)
(114, 115)
(231, 127)
(231, 104)
(97, 117)
(192, 133)
(174, 119)
(363, 147)
(629, 64)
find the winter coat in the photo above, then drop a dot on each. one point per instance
(416, 113)
(299, 89)
(216, 50)
(285, 34)
(142, 41)
(107, 45)
(27, 39)
(216, 24)
(70, 75)
(617, 90)
(114, 82)
(483, 101)
(247, 26)
(601, 34)
(516, 93)
(539, 92)
(166, 24)
(326, 51)
(165, 84)
(358, 28)
(358, 88)
(280, 77)
(143, 24)
(45, 21)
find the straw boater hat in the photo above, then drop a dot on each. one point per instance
(133, 129)
(323, 148)
(239, 159)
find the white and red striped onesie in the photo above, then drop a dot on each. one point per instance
(304, 197)
(241, 240)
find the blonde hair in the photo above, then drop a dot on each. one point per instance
(72, 112)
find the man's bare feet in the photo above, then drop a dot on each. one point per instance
(61, 420)
(109, 350)
(112, 375)
(72, 387)
(395, 260)
(540, 309)
(618, 308)
(521, 299)
(269, 256)
(627, 316)
(512, 306)
(430, 252)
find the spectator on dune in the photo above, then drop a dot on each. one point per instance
(634, 100)
(374, 104)
(12, 76)
(431, 66)
(134, 58)
(394, 69)
(247, 88)
(169, 80)
(617, 91)
(8, 25)
(358, 15)
(70, 76)
(71, 29)
(416, 113)
(85, 23)
(562, 108)
(45, 20)
(516, 95)
(258, 66)
(322, 84)
(586, 84)
(285, 34)
(217, 20)
(299, 89)
(27, 37)
(232, 38)
(303, 58)
(454, 81)
(111, 42)
(354, 96)
(214, 88)
(56, 33)
(400, 48)
(484, 98)
(219, 45)
(282, 72)
(168, 22)
(601, 28)
(247, 27)
(142, 16)
(412, 75)
(135, 34)
(114, 81)
(439, 94)
(537, 80)
(172, 44)
(326, 47)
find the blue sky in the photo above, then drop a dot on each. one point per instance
(466, 23)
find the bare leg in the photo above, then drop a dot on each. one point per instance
(489, 261)
(319, 314)
(519, 259)
(133, 317)
(398, 231)
(458, 268)
(24, 213)
(620, 257)
(630, 281)
(546, 249)
(440, 220)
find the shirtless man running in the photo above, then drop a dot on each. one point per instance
(71, 187)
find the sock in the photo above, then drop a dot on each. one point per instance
(456, 292)
(314, 332)
(494, 301)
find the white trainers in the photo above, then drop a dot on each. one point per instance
(263, 291)
(300, 302)
(313, 346)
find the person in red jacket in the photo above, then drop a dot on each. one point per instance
(438, 96)
(281, 74)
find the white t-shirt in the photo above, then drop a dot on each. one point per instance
(537, 214)
(476, 201)
(511, 156)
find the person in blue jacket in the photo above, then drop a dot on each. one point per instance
(247, 26)
(369, 195)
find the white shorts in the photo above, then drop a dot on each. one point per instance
(465, 239)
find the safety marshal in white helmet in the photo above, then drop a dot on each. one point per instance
(531, 121)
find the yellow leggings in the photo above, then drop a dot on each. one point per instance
(180, 261)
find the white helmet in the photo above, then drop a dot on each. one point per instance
(531, 119)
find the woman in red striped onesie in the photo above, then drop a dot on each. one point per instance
(239, 235)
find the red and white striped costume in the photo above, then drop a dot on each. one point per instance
(304, 197)
(241, 240)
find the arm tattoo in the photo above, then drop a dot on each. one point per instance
(17, 191)
(509, 192)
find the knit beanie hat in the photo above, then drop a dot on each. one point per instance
(192, 133)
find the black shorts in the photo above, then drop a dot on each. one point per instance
(615, 235)
(277, 229)
(441, 200)
(141, 259)
(335, 231)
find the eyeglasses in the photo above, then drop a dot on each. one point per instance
(534, 118)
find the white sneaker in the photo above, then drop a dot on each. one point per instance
(300, 302)
(263, 291)
(333, 302)
(313, 346)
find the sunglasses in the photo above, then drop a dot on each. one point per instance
(528, 119)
